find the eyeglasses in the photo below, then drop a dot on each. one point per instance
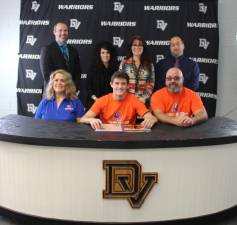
(176, 78)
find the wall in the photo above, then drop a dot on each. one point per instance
(9, 39)
(227, 77)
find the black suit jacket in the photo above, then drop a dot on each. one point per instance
(51, 59)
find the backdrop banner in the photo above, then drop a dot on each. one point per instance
(91, 21)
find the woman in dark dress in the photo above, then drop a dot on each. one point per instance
(104, 64)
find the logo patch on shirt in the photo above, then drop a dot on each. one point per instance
(117, 116)
(68, 108)
(174, 108)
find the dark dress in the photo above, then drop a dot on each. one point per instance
(99, 82)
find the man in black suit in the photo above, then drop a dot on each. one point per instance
(60, 55)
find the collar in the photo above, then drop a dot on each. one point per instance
(61, 44)
(180, 57)
(54, 99)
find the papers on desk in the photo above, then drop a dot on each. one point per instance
(117, 127)
(110, 127)
(135, 128)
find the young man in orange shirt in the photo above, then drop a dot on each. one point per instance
(176, 104)
(118, 107)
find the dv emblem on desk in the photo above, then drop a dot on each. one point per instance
(124, 179)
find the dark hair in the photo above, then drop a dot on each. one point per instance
(119, 75)
(177, 36)
(96, 60)
(145, 60)
(60, 21)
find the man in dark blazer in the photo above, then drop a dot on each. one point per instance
(60, 55)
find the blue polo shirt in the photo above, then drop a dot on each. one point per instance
(68, 110)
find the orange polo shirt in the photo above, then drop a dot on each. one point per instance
(117, 111)
(186, 101)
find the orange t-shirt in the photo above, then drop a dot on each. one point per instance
(186, 101)
(117, 111)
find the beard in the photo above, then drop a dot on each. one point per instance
(174, 88)
(176, 53)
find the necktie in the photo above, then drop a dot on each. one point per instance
(176, 62)
(65, 53)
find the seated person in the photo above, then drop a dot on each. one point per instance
(176, 104)
(118, 106)
(61, 102)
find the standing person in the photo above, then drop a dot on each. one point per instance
(189, 68)
(176, 104)
(60, 55)
(118, 106)
(140, 69)
(61, 102)
(104, 64)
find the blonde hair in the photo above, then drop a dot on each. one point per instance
(70, 89)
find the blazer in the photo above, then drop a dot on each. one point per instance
(51, 59)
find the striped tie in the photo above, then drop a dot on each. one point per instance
(65, 53)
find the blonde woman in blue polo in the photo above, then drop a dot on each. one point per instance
(61, 102)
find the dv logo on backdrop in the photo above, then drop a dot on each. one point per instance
(124, 179)
(30, 74)
(159, 57)
(30, 39)
(203, 78)
(161, 24)
(31, 108)
(203, 43)
(118, 7)
(202, 8)
(74, 23)
(35, 6)
(117, 41)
